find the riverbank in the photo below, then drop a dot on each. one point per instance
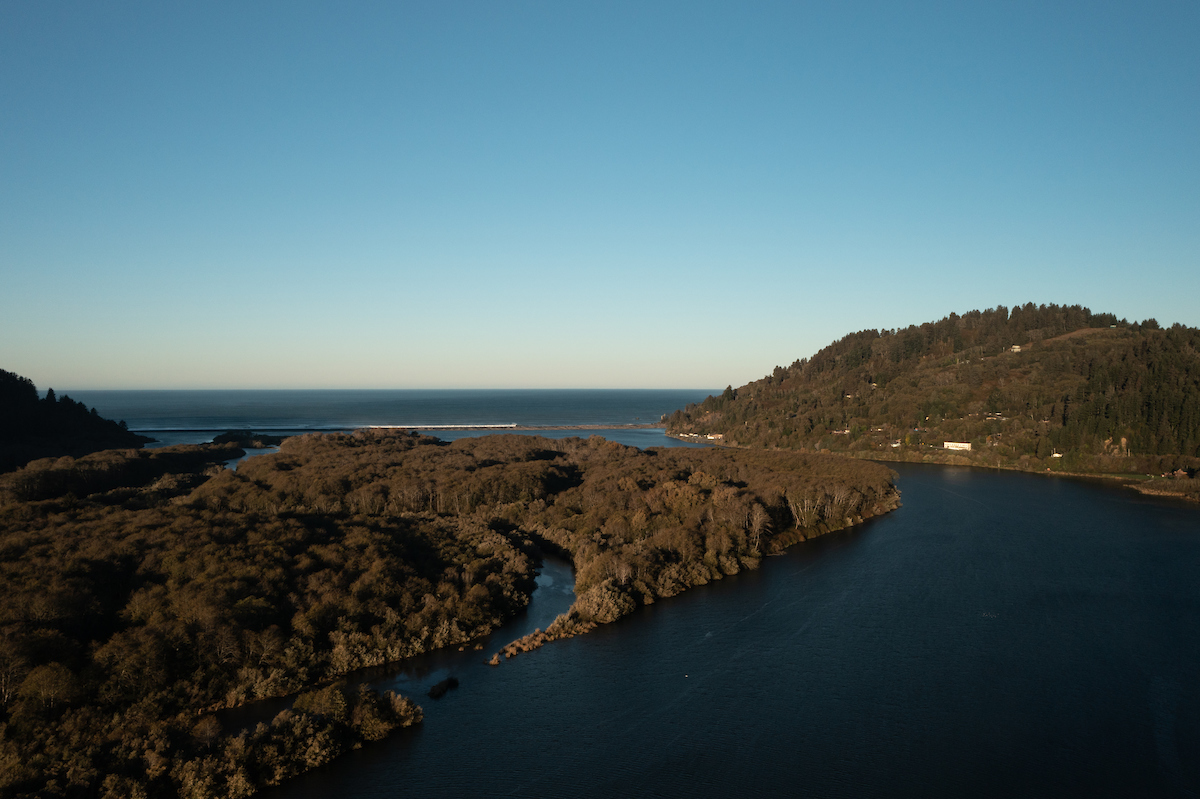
(1032, 633)
(807, 511)
(1178, 487)
(1184, 488)
(571, 623)
(512, 428)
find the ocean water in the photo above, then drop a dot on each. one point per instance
(188, 417)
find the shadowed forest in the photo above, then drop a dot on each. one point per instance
(50, 426)
(147, 590)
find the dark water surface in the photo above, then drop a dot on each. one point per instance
(1000, 635)
(194, 417)
(413, 677)
(172, 415)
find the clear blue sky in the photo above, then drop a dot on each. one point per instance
(513, 194)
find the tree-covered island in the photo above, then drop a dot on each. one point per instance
(1042, 388)
(147, 590)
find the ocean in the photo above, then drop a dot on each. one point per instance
(195, 416)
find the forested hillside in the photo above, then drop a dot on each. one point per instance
(1022, 387)
(146, 590)
(50, 426)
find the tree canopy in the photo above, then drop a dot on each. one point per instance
(1042, 386)
(33, 428)
(146, 590)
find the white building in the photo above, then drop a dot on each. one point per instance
(959, 445)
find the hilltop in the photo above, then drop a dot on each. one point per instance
(1040, 387)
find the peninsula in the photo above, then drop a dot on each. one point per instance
(146, 590)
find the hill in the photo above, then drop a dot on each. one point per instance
(49, 427)
(1040, 387)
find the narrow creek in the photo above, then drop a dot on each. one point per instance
(234, 463)
(413, 677)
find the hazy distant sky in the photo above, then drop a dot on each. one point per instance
(504, 194)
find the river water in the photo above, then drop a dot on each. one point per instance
(1001, 634)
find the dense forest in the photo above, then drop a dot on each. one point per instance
(42, 427)
(147, 590)
(1037, 387)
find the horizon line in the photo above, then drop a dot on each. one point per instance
(422, 388)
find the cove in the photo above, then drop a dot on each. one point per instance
(1000, 634)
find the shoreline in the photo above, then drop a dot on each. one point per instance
(1147, 485)
(570, 625)
(514, 427)
(306, 430)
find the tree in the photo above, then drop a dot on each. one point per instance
(48, 685)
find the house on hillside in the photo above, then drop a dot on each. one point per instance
(964, 446)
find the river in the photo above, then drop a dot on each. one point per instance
(1001, 634)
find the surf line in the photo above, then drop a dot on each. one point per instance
(442, 426)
